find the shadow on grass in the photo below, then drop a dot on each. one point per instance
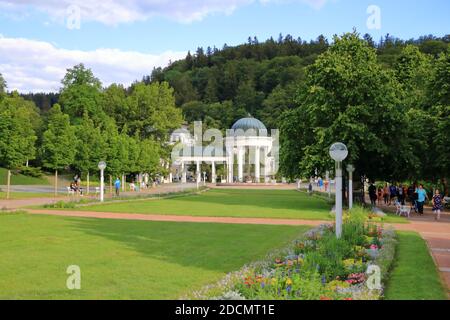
(218, 247)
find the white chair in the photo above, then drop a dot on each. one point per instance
(70, 191)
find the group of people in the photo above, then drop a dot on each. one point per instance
(75, 185)
(415, 194)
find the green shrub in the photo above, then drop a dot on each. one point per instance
(60, 205)
(31, 172)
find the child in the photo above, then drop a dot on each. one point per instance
(437, 205)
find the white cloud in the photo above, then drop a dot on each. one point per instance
(112, 12)
(29, 65)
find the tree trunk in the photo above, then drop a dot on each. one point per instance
(363, 195)
(87, 183)
(56, 183)
(8, 184)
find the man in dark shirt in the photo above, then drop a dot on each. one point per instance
(373, 194)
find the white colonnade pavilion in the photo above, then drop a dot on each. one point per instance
(246, 155)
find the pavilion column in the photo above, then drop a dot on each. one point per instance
(199, 174)
(266, 165)
(257, 165)
(241, 164)
(213, 172)
(231, 168)
(183, 173)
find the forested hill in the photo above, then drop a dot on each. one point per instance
(220, 86)
(259, 78)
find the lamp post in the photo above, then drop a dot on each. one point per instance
(350, 170)
(204, 178)
(338, 153)
(102, 166)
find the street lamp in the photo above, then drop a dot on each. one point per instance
(350, 170)
(102, 166)
(204, 178)
(338, 152)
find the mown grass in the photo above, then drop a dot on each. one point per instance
(414, 275)
(25, 195)
(277, 204)
(122, 259)
(19, 179)
(287, 204)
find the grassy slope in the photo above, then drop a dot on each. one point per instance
(21, 179)
(230, 203)
(124, 259)
(414, 276)
(25, 195)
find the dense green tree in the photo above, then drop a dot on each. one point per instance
(152, 111)
(149, 157)
(115, 105)
(91, 146)
(116, 150)
(59, 141)
(2, 85)
(350, 98)
(19, 120)
(81, 93)
(439, 88)
(413, 71)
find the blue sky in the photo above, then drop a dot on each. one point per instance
(146, 33)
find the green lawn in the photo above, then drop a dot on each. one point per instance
(287, 204)
(414, 276)
(230, 203)
(124, 259)
(25, 195)
(20, 179)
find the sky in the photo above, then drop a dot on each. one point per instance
(121, 41)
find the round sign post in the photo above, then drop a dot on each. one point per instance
(102, 166)
(338, 153)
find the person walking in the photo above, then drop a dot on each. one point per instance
(380, 195)
(421, 197)
(392, 193)
(401, 195)
(386, 194)
(373, 194)
(411, 196)
(438, 204)
(117, 185)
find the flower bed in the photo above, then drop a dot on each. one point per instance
(317, 266)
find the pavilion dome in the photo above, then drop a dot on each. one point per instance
(249, 123)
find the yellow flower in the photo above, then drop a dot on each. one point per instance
(288, 282)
